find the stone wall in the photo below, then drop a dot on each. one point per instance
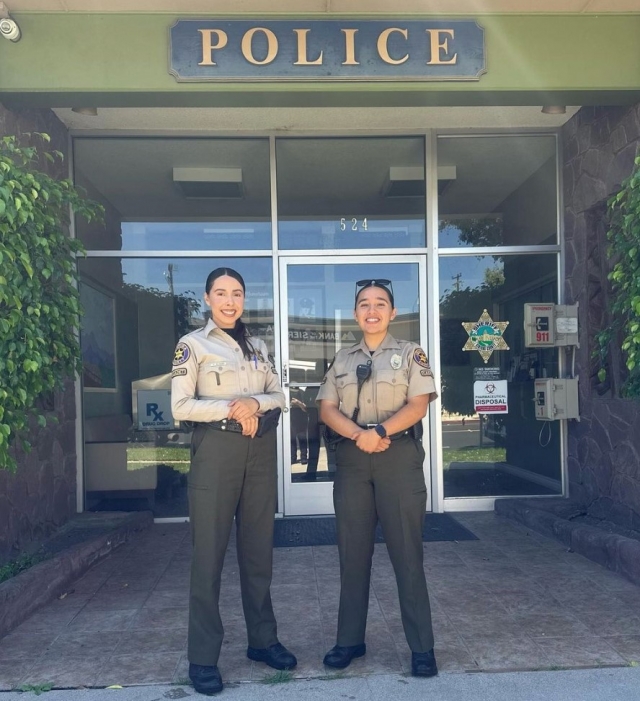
(599, 146)
(42, 494)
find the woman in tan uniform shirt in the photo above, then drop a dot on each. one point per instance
(374, 396)
(224, 381)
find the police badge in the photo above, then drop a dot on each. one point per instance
(396, 361)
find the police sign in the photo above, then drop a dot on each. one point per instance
(204, 50)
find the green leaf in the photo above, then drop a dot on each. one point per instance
(38, 298)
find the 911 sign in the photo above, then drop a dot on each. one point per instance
(538, 325)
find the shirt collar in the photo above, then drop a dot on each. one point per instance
(210, 327)
(388, 343)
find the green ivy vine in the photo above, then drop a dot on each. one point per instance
(624, 249)
(39, 304)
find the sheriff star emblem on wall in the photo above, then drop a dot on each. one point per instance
(485, 335)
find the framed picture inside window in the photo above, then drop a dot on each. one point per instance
(98, 338)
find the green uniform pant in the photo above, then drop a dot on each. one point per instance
(389, 487)
(231, 475)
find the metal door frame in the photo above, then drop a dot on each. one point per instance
(309, 498)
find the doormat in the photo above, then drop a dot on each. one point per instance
(321, 530)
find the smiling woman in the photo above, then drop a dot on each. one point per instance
(232, 475)
(374, 398)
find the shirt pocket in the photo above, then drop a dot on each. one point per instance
(347, 386)
(392, 387)
(217, 377)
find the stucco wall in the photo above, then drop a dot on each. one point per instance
(600, 145)
(42, 494)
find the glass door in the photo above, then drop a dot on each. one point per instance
(317, 321)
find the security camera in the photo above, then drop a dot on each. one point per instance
(9, 29)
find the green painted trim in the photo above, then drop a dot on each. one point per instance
(65, 59)
(250, 98)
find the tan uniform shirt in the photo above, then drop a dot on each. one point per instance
(209, 371)
(399, 371)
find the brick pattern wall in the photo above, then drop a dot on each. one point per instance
(42, 494)
(599, 147)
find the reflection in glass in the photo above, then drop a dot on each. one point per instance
(502, 191)
(359, 193)
(176, 193)
(196, 236)
(136, 456)
(320, 300)
(496, 454)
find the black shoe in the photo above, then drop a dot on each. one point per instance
(276, 656)
(423, 664)
(340, 657)
(206, 679)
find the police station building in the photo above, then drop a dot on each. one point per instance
(463, 150)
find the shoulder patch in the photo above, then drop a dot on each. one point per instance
(420, 357)
(272, 362)
(182, 354)
(178, 372)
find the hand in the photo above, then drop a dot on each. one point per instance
(243, 408)
(369, 441)
(298, 404)
(249, 426)
(384, 445)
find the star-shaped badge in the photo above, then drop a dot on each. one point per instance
(485, 335)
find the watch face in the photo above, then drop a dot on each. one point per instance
(380, 430)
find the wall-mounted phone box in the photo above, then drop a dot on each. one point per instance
(556, 399)
(549, 325)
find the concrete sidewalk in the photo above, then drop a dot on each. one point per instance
(512, 601)
(619, 684)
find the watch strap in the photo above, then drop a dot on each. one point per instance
(380, 430)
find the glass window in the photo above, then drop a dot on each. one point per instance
(501, 452)
(320, 299)
(176, 194)
(136, 455)
(497, 191)
(360, 193)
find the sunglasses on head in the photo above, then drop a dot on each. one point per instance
(375, 282)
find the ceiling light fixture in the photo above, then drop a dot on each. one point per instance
(209, 183)
(86, 111)
(408, 181)
(554, 109)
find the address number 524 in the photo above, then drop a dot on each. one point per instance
(353, 224)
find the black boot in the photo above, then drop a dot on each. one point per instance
(423, 664)
(276, 656)
(206, 679)
(340, 657)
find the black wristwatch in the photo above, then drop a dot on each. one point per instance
(380, 430)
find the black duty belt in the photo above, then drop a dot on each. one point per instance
(225, 425)
(267, 422)
(393, 436)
